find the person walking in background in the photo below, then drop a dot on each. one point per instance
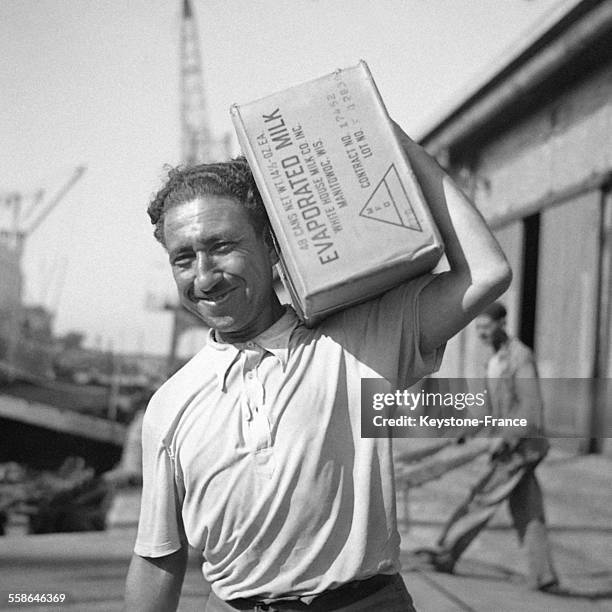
(513, 390)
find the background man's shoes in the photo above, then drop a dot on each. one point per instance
(438, 559)
(552, 587)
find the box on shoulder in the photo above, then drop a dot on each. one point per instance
(347, 212)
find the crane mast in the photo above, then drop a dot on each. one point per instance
(198, 144)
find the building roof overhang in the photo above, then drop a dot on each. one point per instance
(575, 34)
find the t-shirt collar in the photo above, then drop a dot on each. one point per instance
(275, 340)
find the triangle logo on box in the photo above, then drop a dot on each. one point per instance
(389, 203)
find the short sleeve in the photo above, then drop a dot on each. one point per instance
(384, 334)
(414, 364)
(160, 529)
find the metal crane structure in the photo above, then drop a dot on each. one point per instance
(16, 236)
(23, 223)
(198, 144)
(195, 133)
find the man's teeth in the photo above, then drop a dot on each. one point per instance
(216, 297)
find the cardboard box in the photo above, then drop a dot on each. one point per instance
(349, 217)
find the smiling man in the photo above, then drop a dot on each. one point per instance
(252, 451)
(222, 267)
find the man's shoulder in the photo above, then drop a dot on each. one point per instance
(192, 369)
(510, 359)
(377, 310)
(519, 350)
(175, 391)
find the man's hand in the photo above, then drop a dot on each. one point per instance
(154, 584)
(478, 273)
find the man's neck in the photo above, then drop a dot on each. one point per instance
(500, 342)
(242, 336)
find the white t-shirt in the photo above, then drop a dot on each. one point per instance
(253, 453)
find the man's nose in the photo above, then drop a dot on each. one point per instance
(207, 273)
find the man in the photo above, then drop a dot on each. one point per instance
(252, 451)
(513, 392)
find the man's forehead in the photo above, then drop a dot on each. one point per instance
(207, 204)
(209, 215)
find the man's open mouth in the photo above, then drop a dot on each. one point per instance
(214, 299)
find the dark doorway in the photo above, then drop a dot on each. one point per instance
(529, 289)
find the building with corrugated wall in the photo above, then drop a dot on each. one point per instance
(532, 145)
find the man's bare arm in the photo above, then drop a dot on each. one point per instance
(154, 584)
(479, 271)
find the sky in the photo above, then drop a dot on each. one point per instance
(97, 84)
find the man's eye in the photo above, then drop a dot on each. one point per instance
(182, 261)
(223, 247)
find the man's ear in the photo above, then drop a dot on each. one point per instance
(270, 243)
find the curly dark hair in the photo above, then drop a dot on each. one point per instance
(232, 178)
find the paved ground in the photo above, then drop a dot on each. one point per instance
(90, 568)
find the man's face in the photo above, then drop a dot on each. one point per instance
(486, 328)
(221, 266)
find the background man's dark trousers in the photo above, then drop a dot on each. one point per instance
(511, 476)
